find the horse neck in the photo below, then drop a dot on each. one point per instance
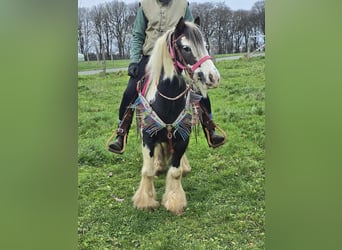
(168, 110)
(172, 87)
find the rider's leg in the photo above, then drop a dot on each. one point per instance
(214, 140)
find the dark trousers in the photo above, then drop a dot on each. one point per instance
(131, 94)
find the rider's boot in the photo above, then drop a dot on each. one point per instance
(119, 145)
(214, 140)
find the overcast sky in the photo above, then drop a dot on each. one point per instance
(233, 4)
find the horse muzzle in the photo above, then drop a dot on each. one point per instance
(213, 80)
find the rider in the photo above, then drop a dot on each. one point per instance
(154, 17)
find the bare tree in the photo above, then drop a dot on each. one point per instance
(204, 11)
(223, 19)
(107, 39)
(239, 22)
(228, 31)
(80, 30)
(84, 32)
(96, 17)
(258, 11)
(119, 23)
(247, 28)
(109, 25)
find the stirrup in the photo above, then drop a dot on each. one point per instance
(111, 138)
(207, 134)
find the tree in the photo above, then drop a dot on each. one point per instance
(96, 15)
(107, 39)
(80, 30)
(258, 11)
(223, 20)
(238, 28)
(119, 23)
(106, 26)
(204, 11)
(84, 32)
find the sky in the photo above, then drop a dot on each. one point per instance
(233, 4)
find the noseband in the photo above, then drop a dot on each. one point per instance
(179, 61)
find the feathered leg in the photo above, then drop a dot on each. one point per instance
(174, 198)
(145, 196)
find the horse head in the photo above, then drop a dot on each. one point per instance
(189, 53)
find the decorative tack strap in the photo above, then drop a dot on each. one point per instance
(151, 123)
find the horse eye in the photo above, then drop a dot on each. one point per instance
(186, 48)
(207, 47)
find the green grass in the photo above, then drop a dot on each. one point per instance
(228, 55)
(93, 65)
(123, 63)
(225, 189)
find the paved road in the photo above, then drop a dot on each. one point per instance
(92, 72)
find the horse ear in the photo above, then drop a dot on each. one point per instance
(180, 27)
(197, 21)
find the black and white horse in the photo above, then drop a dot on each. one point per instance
(179, 67)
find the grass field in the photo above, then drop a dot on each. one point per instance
(94, 65)
(225, 189)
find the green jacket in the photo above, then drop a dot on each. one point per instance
(152, 20)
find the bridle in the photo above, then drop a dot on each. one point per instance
(180, 64)
(178, 59)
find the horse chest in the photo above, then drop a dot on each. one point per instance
(168, 111)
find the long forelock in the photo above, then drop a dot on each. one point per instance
(195, 37)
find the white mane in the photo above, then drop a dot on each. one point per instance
(159, 59)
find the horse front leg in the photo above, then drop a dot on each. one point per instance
(174, 198)
(160, 158)
(185, 165)
(145, 196)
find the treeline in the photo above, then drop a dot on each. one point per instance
(104, 31)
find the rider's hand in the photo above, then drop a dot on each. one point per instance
(133, 70)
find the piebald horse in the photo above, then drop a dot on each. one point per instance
(178, 71)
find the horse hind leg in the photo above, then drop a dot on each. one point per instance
(145, 196)
(174, 198)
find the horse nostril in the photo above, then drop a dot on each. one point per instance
(211, 78)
